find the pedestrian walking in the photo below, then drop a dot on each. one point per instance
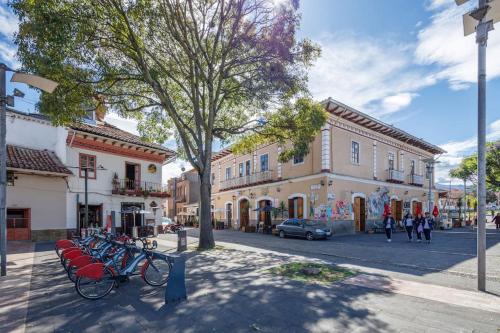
(418, 225)
(496, 219)
(408, 225)
(389, 224)
(428, 226)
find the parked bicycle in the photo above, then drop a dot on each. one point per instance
(97, 279)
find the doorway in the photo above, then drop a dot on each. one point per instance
(265, 212)
(244, 213)
(95, 216)
(416, 207)
(296, 208)
(397, 209)
(229, 214)
(132, 175)
(129, 219)
(359, 213)
(18, 224)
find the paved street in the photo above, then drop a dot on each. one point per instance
(449, 260)
(230, 290)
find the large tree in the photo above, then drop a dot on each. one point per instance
(467, 169)
(196, 69)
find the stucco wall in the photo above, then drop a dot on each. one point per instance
(45, 196)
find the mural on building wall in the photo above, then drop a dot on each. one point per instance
(377, 201)
(342, 210)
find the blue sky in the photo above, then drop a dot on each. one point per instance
(404, 62)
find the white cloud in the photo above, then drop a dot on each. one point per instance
(397, 102)
(442, 43)
(129, 125)
(9, 22)
(456, 150)
(435, 4)
(376, 76)
(8, 54)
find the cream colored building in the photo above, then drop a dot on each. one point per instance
(355, 166)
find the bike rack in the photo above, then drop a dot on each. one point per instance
(176, 283)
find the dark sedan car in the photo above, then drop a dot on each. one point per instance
(303, 228)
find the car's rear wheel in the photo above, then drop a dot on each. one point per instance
(282, 234)
(309, 236)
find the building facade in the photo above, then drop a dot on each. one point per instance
(49, 166)
(184, 196)
(355, 166)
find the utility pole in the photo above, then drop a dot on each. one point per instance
(480, 21)
(34, 81)
(3, 170)
(481, 40)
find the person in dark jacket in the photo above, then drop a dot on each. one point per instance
(496, 219)
(418, 224)
(408, 224)
(428, 226)
(389, 224)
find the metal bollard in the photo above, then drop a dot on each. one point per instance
(181, 240)
(176, 283)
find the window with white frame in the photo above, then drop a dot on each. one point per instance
(264, 162)
(354, 152)
(391, 161)
(412, 167)
(241, 169)
(228, 173)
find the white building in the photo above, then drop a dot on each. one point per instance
(46, 171)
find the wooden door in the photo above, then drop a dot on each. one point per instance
(18, 224)
(399, 210)
(359, 214)
(417, 206)
(296, 208)
(244, 214)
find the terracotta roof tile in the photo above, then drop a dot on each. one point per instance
(112, 132)
(34, 159)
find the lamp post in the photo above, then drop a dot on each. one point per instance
(37, 82)
(429, 165)
(481, 20)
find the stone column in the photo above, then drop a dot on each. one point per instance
(325, 149)
(279, 164)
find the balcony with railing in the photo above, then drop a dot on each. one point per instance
(417, 180)
(253, 179)
(395, 176)
(139, 188)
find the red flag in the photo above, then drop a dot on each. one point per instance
(435, 212)
(387, 210)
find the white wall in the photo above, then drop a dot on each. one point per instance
(100, 188)
(37, 134)
(45, 196)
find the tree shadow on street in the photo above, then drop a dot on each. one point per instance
(228, 291)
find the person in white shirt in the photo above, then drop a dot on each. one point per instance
(389, 223)
(428, 226)
(408, 224)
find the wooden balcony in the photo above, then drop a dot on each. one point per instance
(253, 179)
(137, 188)
(395, 176)
(417, 180)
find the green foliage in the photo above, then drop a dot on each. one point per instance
(293, 126)
(467, 170)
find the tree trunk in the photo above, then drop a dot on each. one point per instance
(206, 240)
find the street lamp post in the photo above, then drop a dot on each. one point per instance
(481, 20)
(429, 165)
(37, 82)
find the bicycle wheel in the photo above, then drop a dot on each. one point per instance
(156, 272)
(94, 289)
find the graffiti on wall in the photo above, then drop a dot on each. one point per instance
(342, 210)
(377, 201)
